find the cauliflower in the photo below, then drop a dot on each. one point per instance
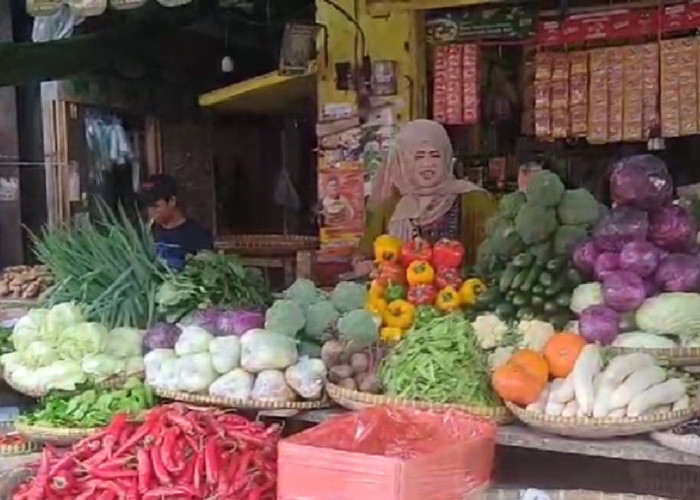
(578, 206)
(500, 356)
(489, 330)
(535, 334)
(545, 188)
(535, 223)
(286, 317)
(302, 291)
(348, 296)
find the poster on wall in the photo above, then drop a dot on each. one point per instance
(341, 209)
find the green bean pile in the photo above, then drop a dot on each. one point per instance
(440, 363)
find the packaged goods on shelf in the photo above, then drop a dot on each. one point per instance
(598, 97)
(578, 93)
(670, 69)
(632, 125)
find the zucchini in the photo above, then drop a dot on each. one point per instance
(537, 302)
(546, 279)
(563, 299)
(519, 279)
(557, 286)
(556, 264)
(531, 278)
(506, 280)
(537, 289)
(550, 307)
(523, 260)
(521, 300)
(525, 313)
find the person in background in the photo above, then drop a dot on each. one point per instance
(415, 193)
(176, 236)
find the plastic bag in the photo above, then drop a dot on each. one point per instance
(678, 273)
(642, 182)
(388, 453)
(236, 384)
(271, 385)
(619, 227)
(266, 350)
(640, 257)
(623, 291)
(307, 377)
(56, 26)
(673, 228)
(225, 353)
(285, 195)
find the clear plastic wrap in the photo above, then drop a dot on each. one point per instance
(388, 454)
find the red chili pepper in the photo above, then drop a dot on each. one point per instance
(211, 461)
(448, 253)
(38, 489)
(96, 459)
(125, 434)
(183, 423)
(119, 423)
(187, 475)
(62, 482)
(448, 276)
(417, 249)
(159, 469)
(99, 473)
(118, 463)
(62, 463)
(137, 436)
(107, 495)
(198, 468)
(240, 475)
(144, 470)
(171, 491)
(421, 295)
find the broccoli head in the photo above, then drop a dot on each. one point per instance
(567, 237)
(320, 317)
(542, 251)
(510, 204)
(493, 223)
(506, 242)
(302, 291)
(535, 223)
(285, 317)
(578, 206)
(545, 188)
(348, 296)
(358, 328)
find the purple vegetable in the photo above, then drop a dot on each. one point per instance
(599, 324)
(606, 263)
(584, 257)
(650, 287)
(204, 318)
(640, 257)
(673, 228)
(623, 291)
(678, 273)
(233, 322)
(642, 182)
(161, 336)
(619, 227)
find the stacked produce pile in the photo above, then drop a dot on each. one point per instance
(91, 408)
(57, 349)
(572, 379)
(416, 282)
(175, 453)
(24, 282)
(643, 258)
(525, 258)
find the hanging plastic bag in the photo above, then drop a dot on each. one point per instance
(56, 26)
(285, 195)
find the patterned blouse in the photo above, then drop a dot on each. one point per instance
(446, 226)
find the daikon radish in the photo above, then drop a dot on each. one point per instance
(618, 413)
(601, 404)
(553, 409)
(570, 409)
(586, 368)
(682, 404)
(624, 365)
(636, 384)
(665, 393)
(539, 405)
(562, 390)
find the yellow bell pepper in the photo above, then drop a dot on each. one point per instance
(377, 306)
(377, 289)
(470, 290)
(391, 334)
(399, 314)
(387, 249)
(447, 299)
(420, 272)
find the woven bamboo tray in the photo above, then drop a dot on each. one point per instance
(517, 494)
(686, 443)
(55, 435)
(266, 244)
(115, 382)
(681, 356)
(242, 404)
(356, 400)
(8, 450)
(594, 428)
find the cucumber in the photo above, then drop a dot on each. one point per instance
(525, 313)
(519, 279)
(563, 299)
(521, 300)
(537, 302)
(550, 307)
(505, 311)
(559, 321)
(574, 277)
(531, 278)
(558, 284)
(556, 264)
(537, 289)
(506, 281)
(546, 279)
(523, 260)
(488, 298)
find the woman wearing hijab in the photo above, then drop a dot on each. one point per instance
(416, 193)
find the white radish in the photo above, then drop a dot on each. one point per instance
(682, 404)
(571, 409)
(618, 413)
(562, 390)
(636, 384)
(665, 393)
(586, 368)
(539, 405)
(601, 404)
(553, 409)
(624, 365)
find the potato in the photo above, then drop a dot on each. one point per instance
(339, 372)
(348, 383)
(370, 383)
(330, 353)
(359, 362)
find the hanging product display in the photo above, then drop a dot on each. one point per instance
(456, 82)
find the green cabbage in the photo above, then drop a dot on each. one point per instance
(61, 375)
(320, 317)
(285, 317)
(83, 339)
(349, 296)
(675, 313)
(303, 291)
(134, 366)
(29, 328)
(124, 342)
(102, 366)
(586, 295)
(38, 354)
(62, 316)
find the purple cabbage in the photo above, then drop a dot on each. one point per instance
(599, 324)
(619, 227)
(584, 258)
(204, 318)
(161, 336)
(238, 322)
(640, 257)
(650, 287)
(673, 228)
(606, 263)
(678, 273)
(623, 291)
(642, 182)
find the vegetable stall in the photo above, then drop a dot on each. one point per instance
(577, 321)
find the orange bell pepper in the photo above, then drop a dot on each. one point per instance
(420, 272)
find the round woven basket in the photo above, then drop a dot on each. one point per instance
(687, 443)
(681, 356)
(266, 244)
(594, 428)
(115, 382)
(7, 450)
(242, 404)
(54, 435)
(356, 400)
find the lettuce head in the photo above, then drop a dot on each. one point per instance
(83, 339)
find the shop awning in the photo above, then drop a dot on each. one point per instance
(267, 94)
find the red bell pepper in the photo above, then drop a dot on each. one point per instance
(448, 276)
(448, 253)
(417, 249)
(420, 295)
